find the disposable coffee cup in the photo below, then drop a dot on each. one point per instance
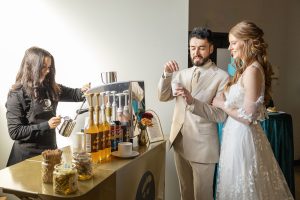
(175, 85)
(125, 148)
(78, 141)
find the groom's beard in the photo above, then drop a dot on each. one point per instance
(200, 61)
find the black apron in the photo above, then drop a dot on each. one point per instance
(40, 111)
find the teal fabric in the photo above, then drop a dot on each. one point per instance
(231, 67)
(279, 131)
(231, 70)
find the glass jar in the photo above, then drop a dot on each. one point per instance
(50, 159)
(83, 164)
(47, 171)
(65, 179)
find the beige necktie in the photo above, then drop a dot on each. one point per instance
(195, 79)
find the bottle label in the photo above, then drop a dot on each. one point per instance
(119, 135)
(106, 138)
(92, 142)
(88, 143)
(101, 141)
(125, 130)
(113, 138)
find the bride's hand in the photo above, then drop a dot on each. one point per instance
(218, 101)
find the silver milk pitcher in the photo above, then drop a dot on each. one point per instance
(108, 77)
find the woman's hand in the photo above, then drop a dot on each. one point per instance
(54, 122)
(85, 87)
(181, 91)
(219, 100)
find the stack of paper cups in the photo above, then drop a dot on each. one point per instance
(78, 141)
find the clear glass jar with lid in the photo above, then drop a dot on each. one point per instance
(65, 179)
(50, 159)
(47, 171)
(83, 164)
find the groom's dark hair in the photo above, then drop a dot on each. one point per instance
(202, 33)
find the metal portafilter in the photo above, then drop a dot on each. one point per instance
(82, 110)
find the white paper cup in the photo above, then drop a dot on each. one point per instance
(125, 148)
(78, 141)
(175, 85)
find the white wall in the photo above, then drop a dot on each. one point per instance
(281, 24)
(86, 37)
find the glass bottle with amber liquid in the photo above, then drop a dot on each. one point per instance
(98, 123)
(105, 129)
(91, 132)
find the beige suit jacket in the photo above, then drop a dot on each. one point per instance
(197, 123)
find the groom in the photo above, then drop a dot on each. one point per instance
(193, 133)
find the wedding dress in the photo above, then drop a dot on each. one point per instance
(248, 169)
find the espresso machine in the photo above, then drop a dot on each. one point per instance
(126, 100)
(128, 96)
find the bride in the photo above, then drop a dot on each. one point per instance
(248, 169)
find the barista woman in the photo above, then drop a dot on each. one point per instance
(31, 105)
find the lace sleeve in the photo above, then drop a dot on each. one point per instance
(251, 110)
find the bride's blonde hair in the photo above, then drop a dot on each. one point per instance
(254, 49)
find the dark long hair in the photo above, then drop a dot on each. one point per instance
(255, 49)
(29, 74)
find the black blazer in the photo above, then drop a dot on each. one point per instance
(27, 121)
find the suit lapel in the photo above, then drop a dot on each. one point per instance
(187, 77)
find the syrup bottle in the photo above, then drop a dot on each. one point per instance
(105, 129)
(91, 132)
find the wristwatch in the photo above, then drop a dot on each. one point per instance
(191, 107)
(166, 75)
